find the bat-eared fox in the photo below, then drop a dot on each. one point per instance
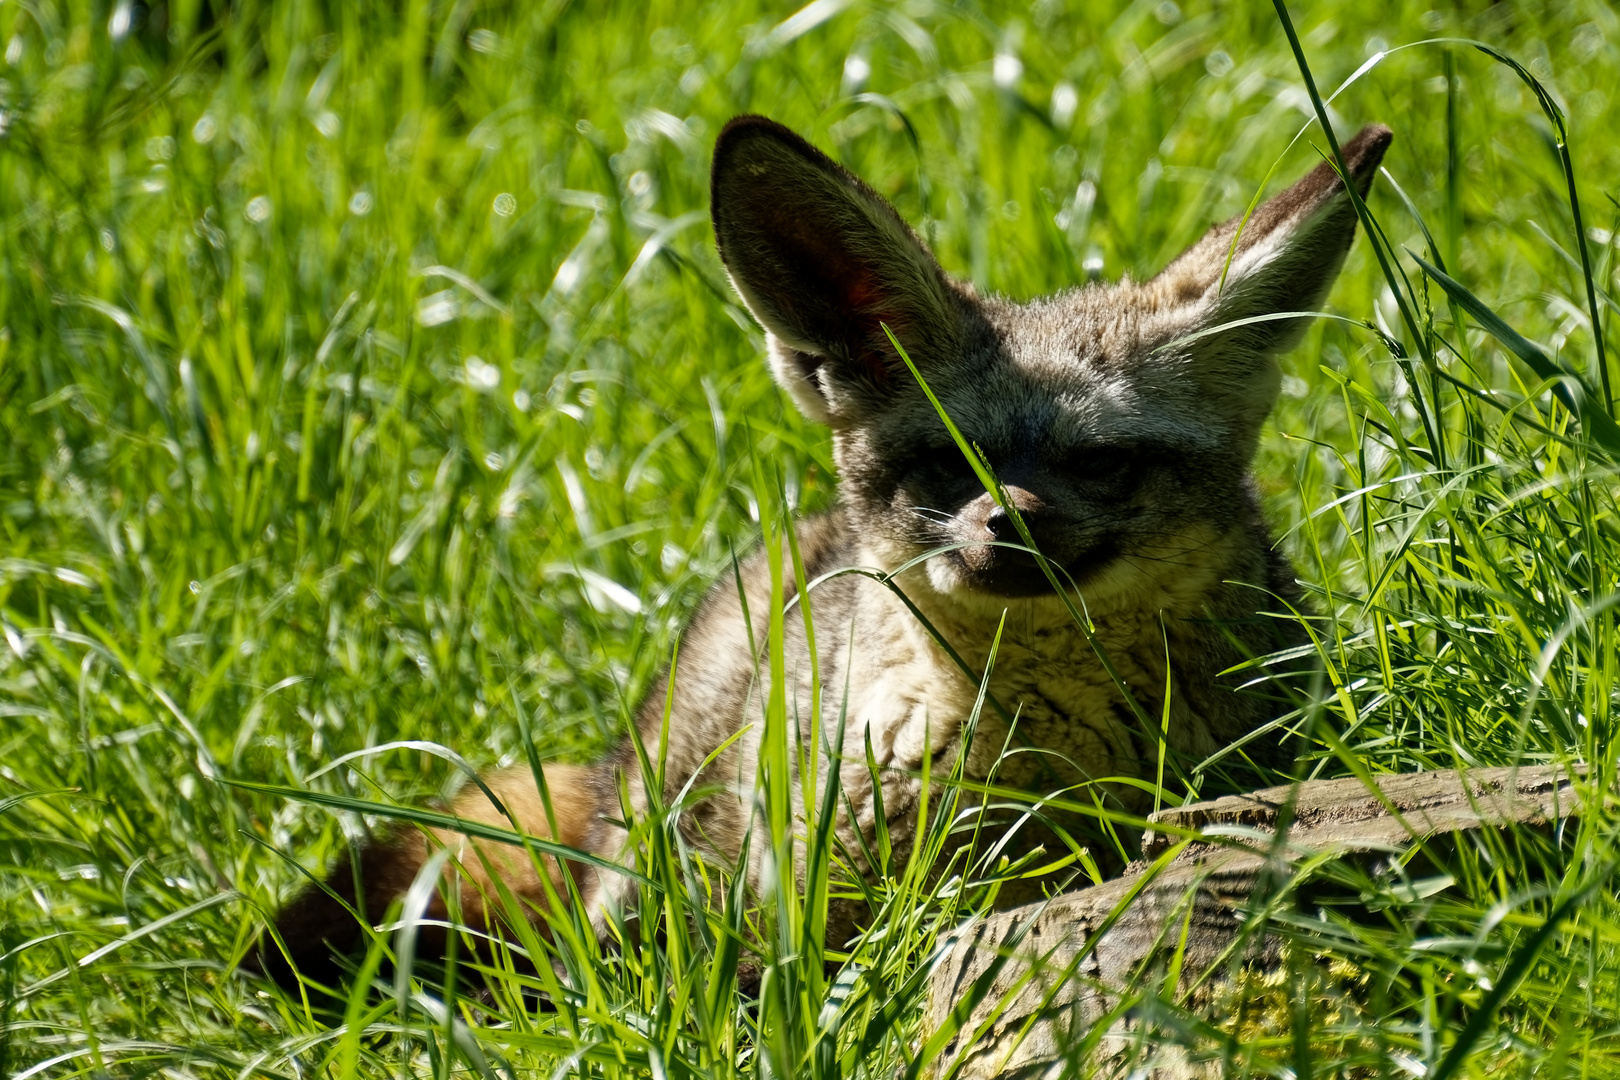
(1118, 421)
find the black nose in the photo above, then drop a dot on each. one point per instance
(1000, 524)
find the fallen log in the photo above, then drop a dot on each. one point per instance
(1018, 991)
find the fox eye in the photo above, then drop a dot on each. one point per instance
(940, 466)
(1102, 464)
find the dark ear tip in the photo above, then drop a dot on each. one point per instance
(1364, 152)
(740, 130)
(731, 147)
(749, 122)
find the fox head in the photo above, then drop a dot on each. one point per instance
(1120, 428)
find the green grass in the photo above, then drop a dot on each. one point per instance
(369, 376)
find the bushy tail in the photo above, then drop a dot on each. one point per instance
(324, 921)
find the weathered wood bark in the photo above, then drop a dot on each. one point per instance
(1022, 988)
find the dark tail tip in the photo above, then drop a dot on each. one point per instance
(1364, 153)
(325, 921)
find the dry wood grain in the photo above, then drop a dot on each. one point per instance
(1049, 973)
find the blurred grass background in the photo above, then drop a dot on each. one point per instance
(367, 374)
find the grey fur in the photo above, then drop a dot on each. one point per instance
(1125, 445)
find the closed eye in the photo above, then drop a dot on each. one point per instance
(1103, 464)
(941, 464)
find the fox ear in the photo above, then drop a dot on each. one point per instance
(823, 262)
(1286, 257)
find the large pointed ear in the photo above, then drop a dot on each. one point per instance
(823, 261)
(1286, 257)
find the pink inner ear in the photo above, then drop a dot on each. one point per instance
(869, 308)
(859, 295)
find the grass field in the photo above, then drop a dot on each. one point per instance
(368, 378)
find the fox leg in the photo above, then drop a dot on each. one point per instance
(316, 923)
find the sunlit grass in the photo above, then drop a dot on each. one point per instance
(368, 376)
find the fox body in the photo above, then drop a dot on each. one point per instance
(1120, 421)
